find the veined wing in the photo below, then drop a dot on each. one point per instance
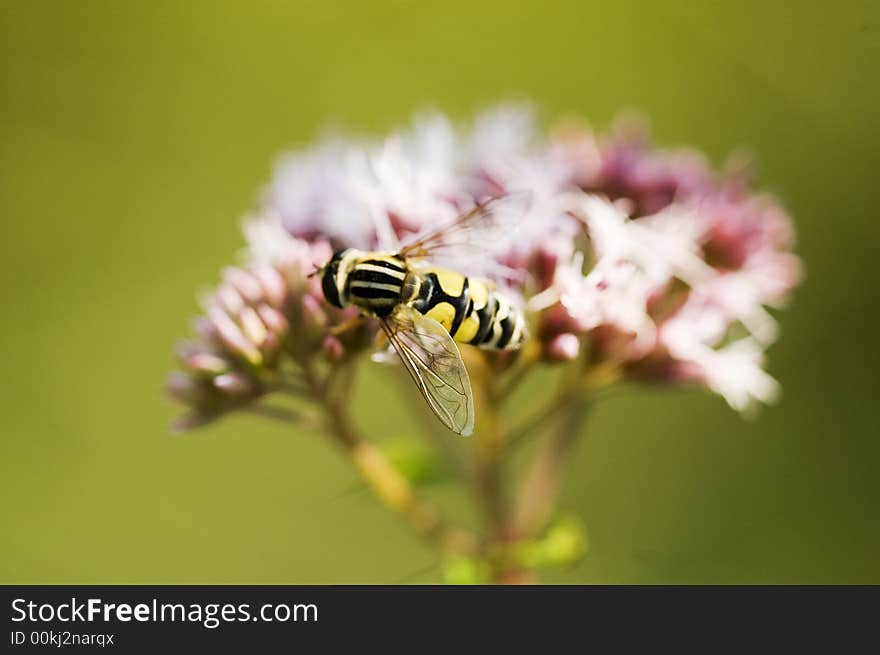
(487, 226)
(433, 361)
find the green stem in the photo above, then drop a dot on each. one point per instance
(523, 431)
(541, 485)
(490, 491)
(387, 483)
(487, 471)
(543, 480)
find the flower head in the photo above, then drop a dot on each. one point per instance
(636, 255)
(238, 345)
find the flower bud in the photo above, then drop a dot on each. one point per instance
(253, 326)
(231, 336)
(182, 387)
(274, 288)
(207, 363)
(332, 348)
(562, 348)
(313, 312)
(229, 299)
(234, 383)
(557, 320)
(203, 327)
(273, 319)
(245, 283)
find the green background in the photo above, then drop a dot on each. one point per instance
(134, 135)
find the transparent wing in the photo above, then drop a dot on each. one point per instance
(433, 361)
(485, 228)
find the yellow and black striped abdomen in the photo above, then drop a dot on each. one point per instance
(469, 309)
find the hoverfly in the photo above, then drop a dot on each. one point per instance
(424, 310)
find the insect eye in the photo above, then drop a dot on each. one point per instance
(328, 284)
(328, 279)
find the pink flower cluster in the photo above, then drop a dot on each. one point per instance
(683, 264)
(261, 327)
(642, 257)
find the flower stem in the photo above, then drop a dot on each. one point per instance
(520, 433)
(540, 489)
(388, 484)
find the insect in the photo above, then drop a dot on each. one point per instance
(424, 310)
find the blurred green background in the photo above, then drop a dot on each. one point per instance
(134, 135)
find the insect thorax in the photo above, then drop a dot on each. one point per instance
(373, 281)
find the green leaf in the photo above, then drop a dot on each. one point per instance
(419, 465)
(564, 542)
(465, 571)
